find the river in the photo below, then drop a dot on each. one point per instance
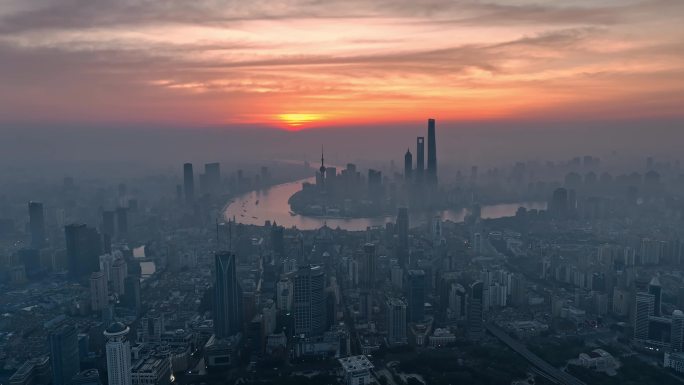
(256, 207)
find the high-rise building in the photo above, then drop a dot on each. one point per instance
(677, 338)
(396, 321)
(656, 289)
(118, 350)
(420, 158)
(416, 295)
(408, 165)
(227, 302)
(457, 302)
(212, 174)
(122, 221)
(37, 224)
(188, 183)
(309, 301)
(402, 227)
(64, 355)
(475, 319)
(558, 206)
(132, 293)
(108, 223)
(643, 310)
(431, 153)
(83, 248)
(119, 272)
(98, 291)
(369, 266)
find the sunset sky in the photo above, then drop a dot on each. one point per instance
(309, 63)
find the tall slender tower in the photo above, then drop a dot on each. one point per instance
(322, 168)
(408, 165)
(431, 153)
(188, 182)
(420, 158)
(64, 354)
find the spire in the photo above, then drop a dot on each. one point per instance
(322, 169)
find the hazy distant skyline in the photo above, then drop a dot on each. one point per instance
(335, 63)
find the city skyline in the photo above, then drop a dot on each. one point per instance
(304, 65)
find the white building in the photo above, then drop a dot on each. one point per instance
(118, 350)
(441, 338)
(357, 370)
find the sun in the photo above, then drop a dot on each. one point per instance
(299, 119)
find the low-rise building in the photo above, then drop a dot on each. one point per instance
(356, 370)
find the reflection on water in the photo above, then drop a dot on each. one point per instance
(256, 207)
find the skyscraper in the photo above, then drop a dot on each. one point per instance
(396, 321)
(677, 338)
(118, 350)
(188, 183)
(369, 266)
(98, 291)
(408, 165)
(420, 158)
(643, 309)
(64, 356)
(227, 303)
(416, 295)
(309, 301)
(122, 221)
(656, 289)
(475, 320)
(402, 226)
(118, 273)
(431, 153)
(108, 223)
(132, 290)
(83, 249)
(212, 172)
(37, 224)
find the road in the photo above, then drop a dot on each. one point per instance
(553, 372)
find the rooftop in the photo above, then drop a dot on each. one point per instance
(354, 363)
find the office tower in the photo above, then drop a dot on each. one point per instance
(656, 290)
(83, 249)
(309, 301)
(475, 320)
(396, 321)
(416, 295)
(122, 221)
(64, 356)
(402, 226)
(278, 239)
(284, 294)
(108, 223)
(643, 310)
(518, 290)
(37, 224)
(369, 266)
(212, 175)
(677, 338)
(408, 165)
(457, 301)
(98, 291)
(420, 158)
(118, 273)
(132, 293)
(188, 183)
(431, 153)
(559, 203)
(227, 303)
(118, 350)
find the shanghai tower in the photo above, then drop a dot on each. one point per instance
(431, 153)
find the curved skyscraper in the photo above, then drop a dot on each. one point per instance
(118, 350)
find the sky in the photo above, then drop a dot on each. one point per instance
(298, 64)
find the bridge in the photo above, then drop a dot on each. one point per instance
(549, 370)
